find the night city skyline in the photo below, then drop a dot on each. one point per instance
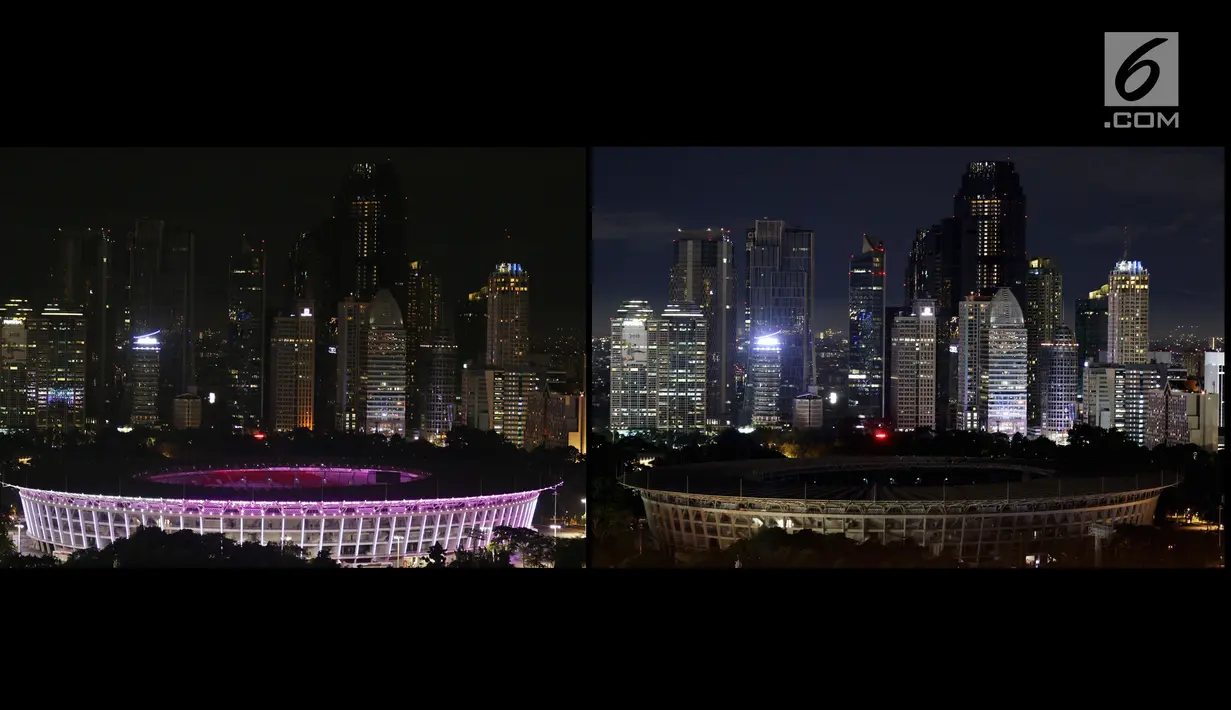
(1079, 203)
(493, 205)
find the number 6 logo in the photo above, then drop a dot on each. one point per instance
(1134, 63)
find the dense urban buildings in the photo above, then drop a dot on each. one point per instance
(329, 328)
(865, 393)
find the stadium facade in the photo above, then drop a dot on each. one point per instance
(976, 509)
(355, 513)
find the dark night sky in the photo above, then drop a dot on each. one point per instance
(1078, 202)
(462, 204)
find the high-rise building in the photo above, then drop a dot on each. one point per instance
(351, 398)
(832, 366)
(1212, 379)
(780, 285)
(508, 316)
(1044, 313)
(369, 231)
(423, 321)
(1057, 378)
(680, 337)
(891, 314)
(943, 268)
(1115, 397)
(145, 367)
(57, 356)
(187, 412)
(246, 304)
(634, 378)
(516, 400)
(703, 273)
(809, 412)
(867, 332)
(441, 399)
(292, 352)
(1128, 314)
(1091, 332)
(765, 380)
(914, 368)
(314, 276)
(17, 382)
(969, 354)
(384, 368)
(992, 205)
(1006, 365)
(84, 276)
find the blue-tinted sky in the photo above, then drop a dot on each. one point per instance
(1079, 200)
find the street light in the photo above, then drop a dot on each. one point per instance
(583, 507)
(20, 527)
(555, 530)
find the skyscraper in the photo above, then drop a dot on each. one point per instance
(703, 273)
(867, 331)
(914, 368)
(161, 299)
(1128, 314)
(246, 304)
(1006, 365)
(681, 350)
(145, 359)
(1212, 372)
(1090, 331)
(423, 321)
(84, 277)
(944, 271)
(508, 316)
(57, 356)
(16, 369)
(634, 378)
(350, 413)
(384, 369)
(1057, 379)
(780, 284)
(970, 371)
(992, 205)
(1044, 313)
(293, 372)
(370, 230)
(441, 386)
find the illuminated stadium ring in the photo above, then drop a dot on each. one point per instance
(978, 508)
(273, 505)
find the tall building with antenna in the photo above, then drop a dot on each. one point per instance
(1128, 313)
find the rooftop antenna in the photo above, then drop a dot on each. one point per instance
(1127, 239)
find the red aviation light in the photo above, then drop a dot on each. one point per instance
(881, 434)
(259, 436)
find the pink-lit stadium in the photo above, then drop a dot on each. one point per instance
(361, 515)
